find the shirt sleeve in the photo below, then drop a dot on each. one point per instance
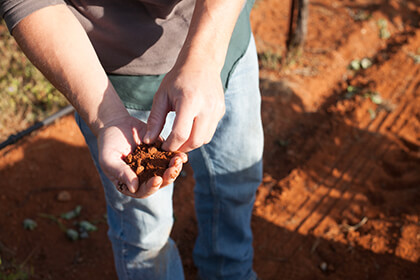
(13, 11)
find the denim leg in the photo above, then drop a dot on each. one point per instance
(228, 171)
(139, 228)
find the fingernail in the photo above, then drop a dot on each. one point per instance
(146, 138)
(158, 182)
(132, 187)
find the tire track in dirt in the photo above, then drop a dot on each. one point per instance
(339, 164)
(311, 217)
(332, 194)
(353, 168)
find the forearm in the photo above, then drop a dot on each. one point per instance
(56, 43)
(210, 31)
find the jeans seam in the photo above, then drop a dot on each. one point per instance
(124, 249)
(124, 257)
(216, 209)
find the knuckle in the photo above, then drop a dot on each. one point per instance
(196, 144)
(179, 136)
(208, 140)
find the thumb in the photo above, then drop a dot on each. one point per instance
(157, 117)
(121, 175)
(128, 178)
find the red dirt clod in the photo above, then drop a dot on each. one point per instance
(139, 169)
(148, 161)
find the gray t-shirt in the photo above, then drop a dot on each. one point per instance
(137, 41)
(131, 37)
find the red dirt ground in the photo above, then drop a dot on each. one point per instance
(341, 191)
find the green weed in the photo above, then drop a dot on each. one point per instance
(9, 270)
(270, 60)
(383, 29)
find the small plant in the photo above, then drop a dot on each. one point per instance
(372, 113)
(87, 226)
(72, 214)
(270, 60)
(72, 234)
(415, 57)
(29, 224)
(360, 15)
(351, 91)
(375, 97)
(365, 63)
(383, 29)
(282, 142)
(357, 64)
(9, 270)
(83, 227)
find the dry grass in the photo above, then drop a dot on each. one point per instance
(25, 95)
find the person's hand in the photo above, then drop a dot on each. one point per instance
(115, 141)
(196, 95)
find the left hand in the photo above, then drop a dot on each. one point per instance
(116, 140)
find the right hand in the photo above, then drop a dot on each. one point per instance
(196, 95)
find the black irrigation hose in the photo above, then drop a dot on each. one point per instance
(16, 137)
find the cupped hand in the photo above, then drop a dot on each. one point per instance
(115, 141)
(196, 95)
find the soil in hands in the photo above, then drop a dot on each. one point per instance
(149, 160)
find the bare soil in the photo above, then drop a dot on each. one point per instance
(341, 192)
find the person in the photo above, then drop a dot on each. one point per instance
(138, 70)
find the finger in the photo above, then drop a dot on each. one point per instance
(172, 172)
(126, 177)
(201, 133)
(157, 117)
(136, 136)
(181, 129)
(150, 187)
(145, 190)
(180, 155)
(138, 131)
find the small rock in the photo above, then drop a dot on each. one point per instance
(63, 196)
(324, 266)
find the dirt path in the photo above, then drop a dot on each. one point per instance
(341, 191)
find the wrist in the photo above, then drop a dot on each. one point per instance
(107, 118)
(209, 33)
(108, 111)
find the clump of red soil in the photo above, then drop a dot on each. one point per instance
(149, 160)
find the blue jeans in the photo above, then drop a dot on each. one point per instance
(227, 172)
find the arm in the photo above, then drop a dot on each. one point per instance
(193, 88)
(56, 43)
